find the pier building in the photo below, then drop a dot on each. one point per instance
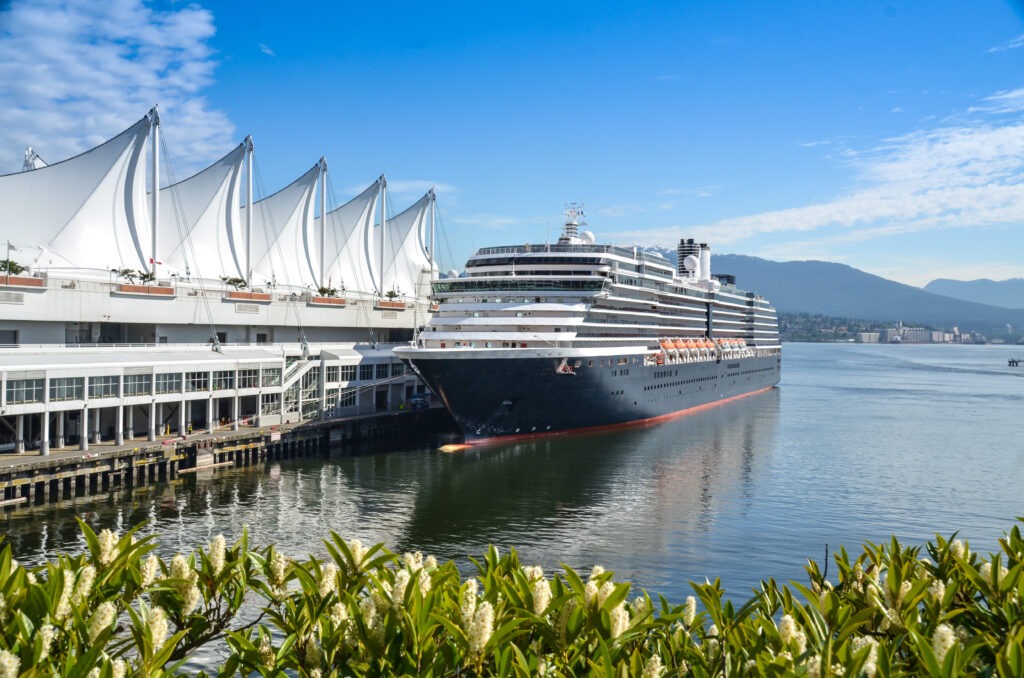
(133, 304)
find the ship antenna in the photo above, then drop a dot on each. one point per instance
(573, 221)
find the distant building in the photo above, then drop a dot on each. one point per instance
(888, 335)
(917, 335)
(868, 337)
(939, 337)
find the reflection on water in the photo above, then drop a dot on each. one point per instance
(623, 499)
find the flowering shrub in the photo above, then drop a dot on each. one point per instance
(120, 610)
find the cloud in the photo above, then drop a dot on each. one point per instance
(1012, 44)
(952, 177)
(266, 50)
(897, 109)
(492, 222)
(697, 192)
(74, 73)
(1006, 101)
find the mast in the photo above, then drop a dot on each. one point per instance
(433, 217)
(154, 123)
(323, 217)
(249, 148)
(383, 224)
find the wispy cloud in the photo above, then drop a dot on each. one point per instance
(952, 177)
(73, 73)
(266, 50)
(492, 222)
(417, 188)
(696, 192)
(1012, 44)
(1006, 101)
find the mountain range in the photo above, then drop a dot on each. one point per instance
(842, 291)
(1005, 293)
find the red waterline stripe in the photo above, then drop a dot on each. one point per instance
(635, 423)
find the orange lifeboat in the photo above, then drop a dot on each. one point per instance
(666, 344)
(679, 343)
(708, 344)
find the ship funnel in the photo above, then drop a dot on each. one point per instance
(705, 261)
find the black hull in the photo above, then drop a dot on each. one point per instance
(522, 396)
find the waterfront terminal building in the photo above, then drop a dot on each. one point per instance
(127, 312)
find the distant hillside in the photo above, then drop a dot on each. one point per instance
(1005, 293)
(840, 291)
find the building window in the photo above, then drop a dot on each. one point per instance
(248, 378)
(104, 387)
(332, 373)
(24, 391)
(397, 369)
(223, 380)
(382, 370)
(347, 398)
(197, 381)
(271, 376)
(348, 373)
(64, 388)
(366, 373)
(137, 384)
(168, 383)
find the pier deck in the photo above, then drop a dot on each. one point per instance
(33, 478)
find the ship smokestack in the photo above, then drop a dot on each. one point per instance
(705, 262)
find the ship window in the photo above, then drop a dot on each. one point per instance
(558, 329)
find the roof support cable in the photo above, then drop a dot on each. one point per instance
(185, 238)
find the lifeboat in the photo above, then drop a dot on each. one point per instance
(667, 344)
(679, 343)
(708, 344)
(691, 344)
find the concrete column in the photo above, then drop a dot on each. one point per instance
(119, 425)
(209, 415)
(129, 428)
(259, 409)
(44, 434)
(60, 429)
(182, 422)
(234, 412)
(96, 425)
(151, 433)
(19, 434)
(160, 418)
(83, 433)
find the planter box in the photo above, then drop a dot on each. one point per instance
(328, 301)
(238, 295)
(146, 290)
(21, 281)
(390, 305)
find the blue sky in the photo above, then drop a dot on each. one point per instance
(884, 135)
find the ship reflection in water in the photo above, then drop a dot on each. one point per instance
(645, 502)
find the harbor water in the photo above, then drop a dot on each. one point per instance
(858, 443)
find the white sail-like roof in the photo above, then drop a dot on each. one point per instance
(283, 237)
(405, 256)
(201, 231)
(87, 212)
(348, 242)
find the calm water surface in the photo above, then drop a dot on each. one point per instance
(859, 442)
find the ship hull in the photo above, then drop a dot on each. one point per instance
(498, 396)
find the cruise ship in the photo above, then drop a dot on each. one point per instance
(548, 338)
